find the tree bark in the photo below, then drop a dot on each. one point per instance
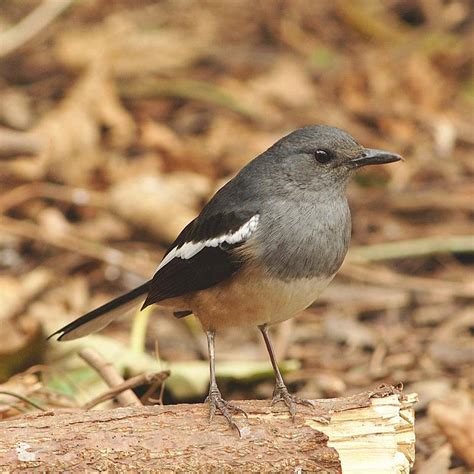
(369, 432)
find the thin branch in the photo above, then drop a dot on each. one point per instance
(186, 89)
(110, 375)
(155, 379)
(31, 25)
(377, 275)
(23, 399)
(14, 143)
(58, 192)
(96, 250)
(146, 397)
(412, 248)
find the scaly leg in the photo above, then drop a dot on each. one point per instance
(215, 400)
(280, 393)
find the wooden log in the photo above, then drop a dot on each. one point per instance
(368, 433)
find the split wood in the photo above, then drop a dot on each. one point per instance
(369, 432)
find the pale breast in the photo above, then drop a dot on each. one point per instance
(254, 299)
(293, 255)
(303, 239)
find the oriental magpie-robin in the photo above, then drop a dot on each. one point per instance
(261, 250)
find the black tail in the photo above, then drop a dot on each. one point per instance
(102, 316)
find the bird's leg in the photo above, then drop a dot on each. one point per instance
(215, 400)
(280, 393)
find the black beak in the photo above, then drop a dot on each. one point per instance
(371, 156)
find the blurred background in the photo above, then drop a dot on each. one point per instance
(119, 119)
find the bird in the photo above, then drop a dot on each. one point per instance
(261, 250)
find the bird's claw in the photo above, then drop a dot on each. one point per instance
(281, 394)
(227, 409)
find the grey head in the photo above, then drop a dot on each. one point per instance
(319, 156)
(298, 188)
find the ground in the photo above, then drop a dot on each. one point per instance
(118, 120)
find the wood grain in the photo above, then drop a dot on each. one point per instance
(366, 434)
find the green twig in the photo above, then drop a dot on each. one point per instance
(23, 399)
(186, 89)
(368, 21)
(412, 248)
(139, 327)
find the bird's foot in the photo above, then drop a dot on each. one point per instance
(227, 409)
(281, 394)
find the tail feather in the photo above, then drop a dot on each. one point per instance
(102, 316)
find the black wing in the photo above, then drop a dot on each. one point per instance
(208, 266)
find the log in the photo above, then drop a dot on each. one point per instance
(367, 433)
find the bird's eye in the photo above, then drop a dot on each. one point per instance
(322, 156)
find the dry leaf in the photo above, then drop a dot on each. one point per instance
(230, 145)
(20, 384)
(177, 152)
(455, 417)
(15, 293)
(129, 49)
(287, 83)
(104, 227)
(438, 462)
(71, 132)
(349, 331)
(429, 390)
(15, 109)
(22, 344)
(162, 205)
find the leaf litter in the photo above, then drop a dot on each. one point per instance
(118, 120)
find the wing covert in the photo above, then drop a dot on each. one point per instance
(203, 255)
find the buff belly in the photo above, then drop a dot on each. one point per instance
(253, 300)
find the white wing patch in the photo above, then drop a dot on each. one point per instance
(189, 249)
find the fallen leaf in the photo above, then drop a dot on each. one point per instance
(455, 417)
(162, 205)
(438, 462)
